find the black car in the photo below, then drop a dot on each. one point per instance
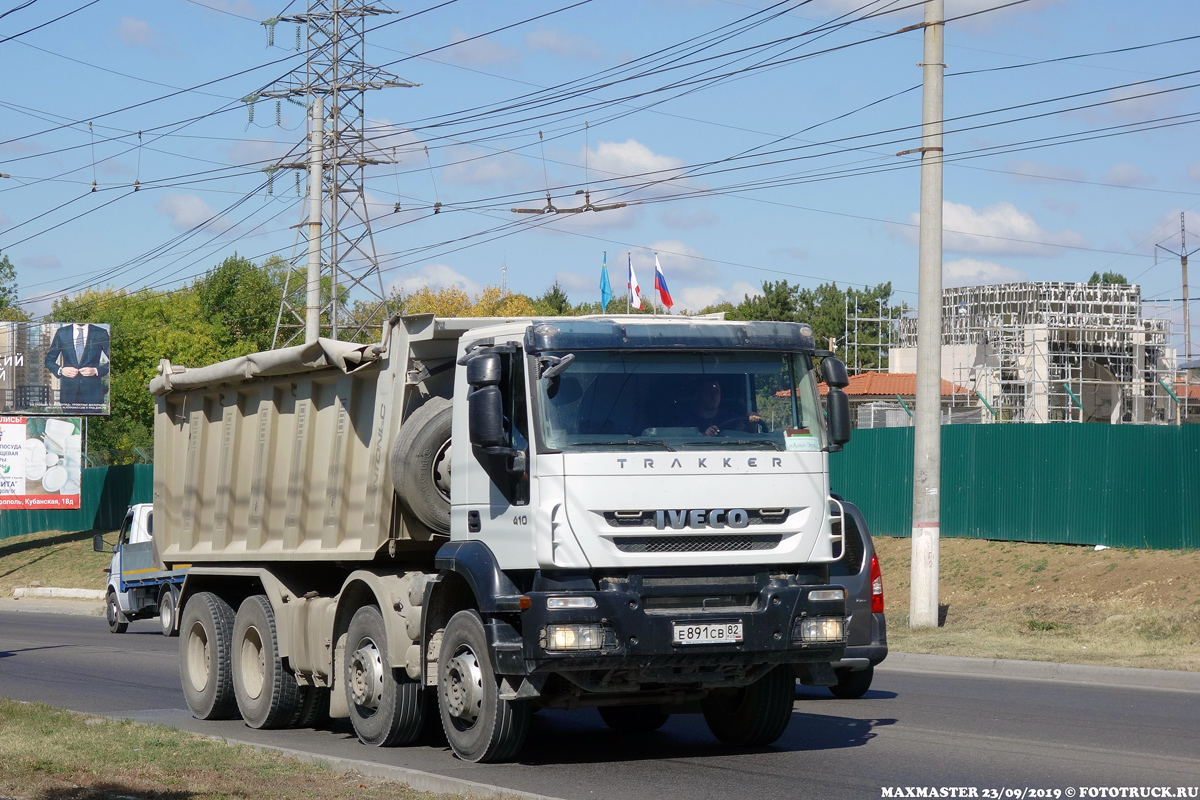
(858, 571)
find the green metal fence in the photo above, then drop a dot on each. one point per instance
(106, 493)
(1117, 485)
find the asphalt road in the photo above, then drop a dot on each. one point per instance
(912, 730)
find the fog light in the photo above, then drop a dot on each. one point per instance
(827, 594)
(573, 637)
(818, 629)
(570, 602)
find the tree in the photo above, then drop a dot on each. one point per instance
(8, 285)
(1108, 277)
(553, 302)
(242, 298)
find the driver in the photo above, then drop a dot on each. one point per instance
(706, 409)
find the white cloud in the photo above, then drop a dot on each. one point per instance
(1128, 104)
(574, 282)
(1040, 171)
(673, 218)
(680, 263)
(998, 229)
(41, 262)
(560, 43)
(473, 165)
(186, 211)
(630, 157)
(694, 298)
(1127, 175)
(435, 276)
(969, 272)
(137, 33)
(1166, 229)
(479, 51)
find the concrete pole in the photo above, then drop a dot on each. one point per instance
(926, 530)
(312, 310)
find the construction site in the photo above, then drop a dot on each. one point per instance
(1038, 351)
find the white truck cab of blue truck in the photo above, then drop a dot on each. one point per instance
(477, 518)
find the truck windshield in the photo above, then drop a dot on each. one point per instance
(672, 401)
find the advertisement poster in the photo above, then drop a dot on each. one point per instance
(54, 368)
(40, 462)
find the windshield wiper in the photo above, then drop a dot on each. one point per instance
(717, 443)
(628, 443)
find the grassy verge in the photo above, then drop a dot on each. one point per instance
(52, 558)
(1126, 608)
(48, 754)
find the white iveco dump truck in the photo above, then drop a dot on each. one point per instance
(478, 518)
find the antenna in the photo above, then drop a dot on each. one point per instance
(1182, 255)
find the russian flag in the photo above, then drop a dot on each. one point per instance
(660, 284)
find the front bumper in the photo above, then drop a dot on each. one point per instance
(638, 615)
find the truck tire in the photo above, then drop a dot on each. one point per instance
(386, 706)
(168, 600)
(480, 727)
(420, 463)
(633, 720)
(754, 715)
(314, 707)
(205, 642)
(852, 685)
(266, 691)
(112, 613)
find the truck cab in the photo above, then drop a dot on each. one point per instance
(136, 583)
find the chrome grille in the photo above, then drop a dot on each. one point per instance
(676, 543)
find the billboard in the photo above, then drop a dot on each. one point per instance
(40, 462)
(54, 368)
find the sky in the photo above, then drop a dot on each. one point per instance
(752, 141)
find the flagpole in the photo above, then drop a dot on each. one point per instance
(628, 284)
(654, 305)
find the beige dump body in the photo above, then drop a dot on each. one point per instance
(283, 455)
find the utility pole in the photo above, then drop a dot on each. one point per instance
(1182, 255)
(334, 84)
(927, 443)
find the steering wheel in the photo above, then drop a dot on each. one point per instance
(737, 423)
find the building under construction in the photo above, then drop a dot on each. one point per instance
(1040, 352)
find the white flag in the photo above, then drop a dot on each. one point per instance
(635, 291)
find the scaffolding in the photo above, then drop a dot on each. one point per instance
(1047, 351)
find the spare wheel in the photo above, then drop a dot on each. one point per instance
(420, 464)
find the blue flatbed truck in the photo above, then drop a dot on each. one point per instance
(139, 586)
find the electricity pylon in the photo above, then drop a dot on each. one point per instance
(341, 251)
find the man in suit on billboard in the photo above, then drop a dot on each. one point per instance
(78, 357)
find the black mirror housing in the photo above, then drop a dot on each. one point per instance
(839, 418)
(98, 543)
(834, 373)
(485, 413)
(483, 370)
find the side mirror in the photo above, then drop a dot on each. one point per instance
(834, 373)
(485, 414)
(98, 543)
(839, 418)
(483, 370)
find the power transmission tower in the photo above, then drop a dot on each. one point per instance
(341, 253)
(1182, 255)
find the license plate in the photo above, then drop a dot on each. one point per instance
(707, 633)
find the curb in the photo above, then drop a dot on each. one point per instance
(1114, 677)
(57, 593)
(418, 779)
(34, 605)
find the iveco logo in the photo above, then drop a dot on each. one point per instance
(699, 518)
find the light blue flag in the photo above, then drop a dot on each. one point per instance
(605, 287)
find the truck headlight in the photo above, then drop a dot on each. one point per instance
(573, 637)
(819, 629)
(570, 602)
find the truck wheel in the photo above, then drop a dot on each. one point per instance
(632, 720)
(167, 600)
(754, 715)
(420, 464)
(479, 725)
(267, 693)
(112, 612)
(205, 641)
(852, 685)
(386, 706)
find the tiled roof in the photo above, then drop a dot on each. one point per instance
(885, 384)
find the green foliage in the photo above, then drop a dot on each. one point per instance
(242, 299)
(1108, 277)
(8, 284)
(553, 302)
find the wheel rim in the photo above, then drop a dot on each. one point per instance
(111, 610)
(440, 470)
(253, 667)
(366, 675)
(462, 688)
(197, 659)
(166, 612)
